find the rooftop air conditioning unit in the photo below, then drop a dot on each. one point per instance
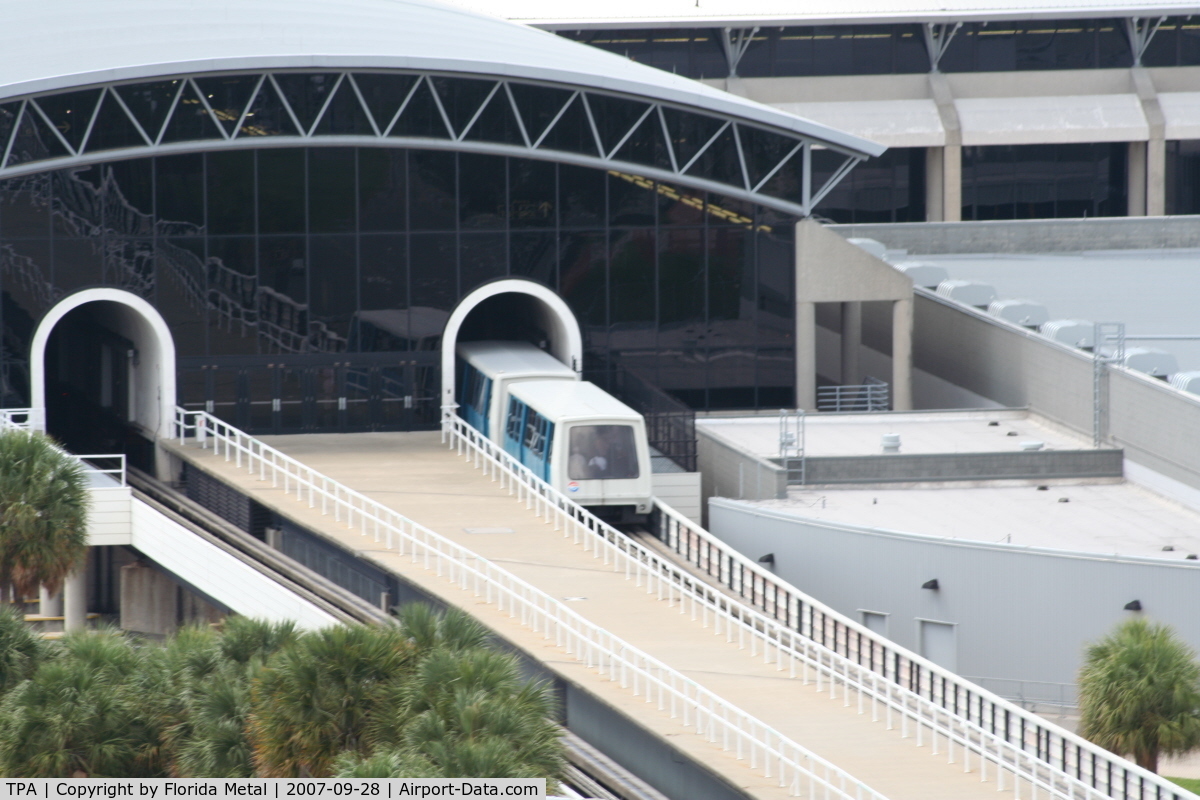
(1071, 332)
(926, 275)
(1186, 381)
(877, 249)
(1020, 312)
(1151, 361)
(968, 293)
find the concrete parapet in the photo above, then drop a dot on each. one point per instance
(1032, 235)
(919, 467)
(729, 470)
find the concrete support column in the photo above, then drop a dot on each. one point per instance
(75, 602)
(149, 600)
(902, 326)
(1156, 177)
(935, 195)
(50, 605)
(1136, 171)
(851, 341)
(1153, 169)
(806, 356)
(952, 183)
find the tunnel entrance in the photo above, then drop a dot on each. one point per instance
(90, 405)
(103, 370)
(507, 317)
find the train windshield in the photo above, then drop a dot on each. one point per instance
(602, 452)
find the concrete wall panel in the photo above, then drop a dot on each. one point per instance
(1022, 613)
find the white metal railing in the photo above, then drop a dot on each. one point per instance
(91, 465)
(770, 615)
(34, 419)
(698, 709)
(29, 419)
(870, 396)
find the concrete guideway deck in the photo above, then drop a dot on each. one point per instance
(418, 476)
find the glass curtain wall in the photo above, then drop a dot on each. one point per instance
(887, 188)
(1038, 45)
(307, 289)
(798, 51)
(1177, 44)
(1183, 177)
(1044, 181)
(774, 52)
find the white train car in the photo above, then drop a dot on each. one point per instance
(486, 370)
(584, 442)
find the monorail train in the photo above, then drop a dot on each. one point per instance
(487, 369)
(571, 433)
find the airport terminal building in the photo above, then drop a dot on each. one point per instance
(275, 214)
(1020, 110)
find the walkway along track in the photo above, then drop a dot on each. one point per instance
(580, 651)
(976, 750)
(588, 770)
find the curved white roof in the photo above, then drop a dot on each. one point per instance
(52, 45)
(712, 13)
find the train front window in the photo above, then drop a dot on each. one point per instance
(602, 452)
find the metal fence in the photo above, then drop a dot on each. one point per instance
(670, 425)
(870, 396)
(945, 702)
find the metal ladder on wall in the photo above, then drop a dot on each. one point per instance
(791, 444)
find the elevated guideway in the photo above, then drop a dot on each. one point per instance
(122, 515)
(766, 705)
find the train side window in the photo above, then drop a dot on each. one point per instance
(602, 452)
(535, 433)
(512, 428)
(482, 385)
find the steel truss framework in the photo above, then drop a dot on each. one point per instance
(422, 110)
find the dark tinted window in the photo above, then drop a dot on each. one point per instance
(1038, 45)
(1183, 177)
(602, 452)
(262, 257)
(1044, 181)
(887, 188)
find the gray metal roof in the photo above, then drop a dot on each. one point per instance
(53, 45)
(711, 13)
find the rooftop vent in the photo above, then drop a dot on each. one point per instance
(969, 293)
(1186, 381)
(877, 249)
(922, 274)
(1071, 332)
(1020, 312)
(1151, 361)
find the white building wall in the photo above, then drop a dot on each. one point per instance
(1021, 614)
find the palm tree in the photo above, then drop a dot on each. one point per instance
(314, 699)
(21, 651)
(211, 741)
(1139, 693)
(43, 513)
(470, 714)
(83, 715)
